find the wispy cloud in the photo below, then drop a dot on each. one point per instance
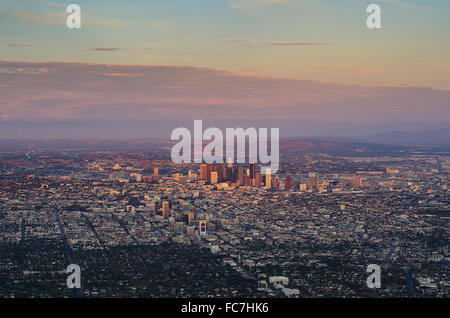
(18, 45)
(59, 19)
(246, 43)
(22, 68)
(105, 49)
(122, 74)
(137, 92)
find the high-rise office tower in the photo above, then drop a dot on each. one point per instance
(203, 172)
(202, 226)
(247, 181)
(165, 209)
(356, 182)
(258, 180)
(191, 217)
(209, 167)
(252, 170)
(214, 168)
(313, 181)
(229, 174)
(287, 185)
(230, 162)
(185, 218)
(276, 183)
(268, 179)
(240, 178)
(214, 177)
(234, 177)
(223, 172)
(219, 173)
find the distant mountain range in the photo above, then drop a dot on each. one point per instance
(425, 137)
(161, 148)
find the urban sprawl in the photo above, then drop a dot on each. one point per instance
(142, 226)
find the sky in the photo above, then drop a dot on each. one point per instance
(311, 67)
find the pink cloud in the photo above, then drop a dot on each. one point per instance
(76, 90)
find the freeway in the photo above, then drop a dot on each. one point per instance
(91, 226)
(69, 253)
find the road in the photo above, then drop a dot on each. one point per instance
(69, 253)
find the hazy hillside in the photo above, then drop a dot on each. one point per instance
(425, 137)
